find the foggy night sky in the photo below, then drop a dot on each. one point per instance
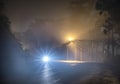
(46, 20)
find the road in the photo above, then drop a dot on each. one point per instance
(66, 73)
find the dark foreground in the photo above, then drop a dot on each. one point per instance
(63, 73)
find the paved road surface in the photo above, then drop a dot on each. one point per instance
(65, 73)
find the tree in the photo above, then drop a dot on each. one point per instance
(112, 23)
(111, 27)
(12, 57)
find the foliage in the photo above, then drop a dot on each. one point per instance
(112, 23)
(12, 57)
(112, 7)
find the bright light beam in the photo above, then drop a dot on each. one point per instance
(71, 61)
(45, 58)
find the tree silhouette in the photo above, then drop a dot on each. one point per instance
(112, 23)
(111, 27)
(12, 57)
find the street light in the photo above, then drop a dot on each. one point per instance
(70, 39)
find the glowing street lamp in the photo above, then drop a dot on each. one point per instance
(70, 39)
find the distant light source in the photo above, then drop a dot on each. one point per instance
(45, 58)
(70, 39)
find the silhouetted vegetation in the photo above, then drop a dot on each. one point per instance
(13, 60)
(112, 23)
(111, 28)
